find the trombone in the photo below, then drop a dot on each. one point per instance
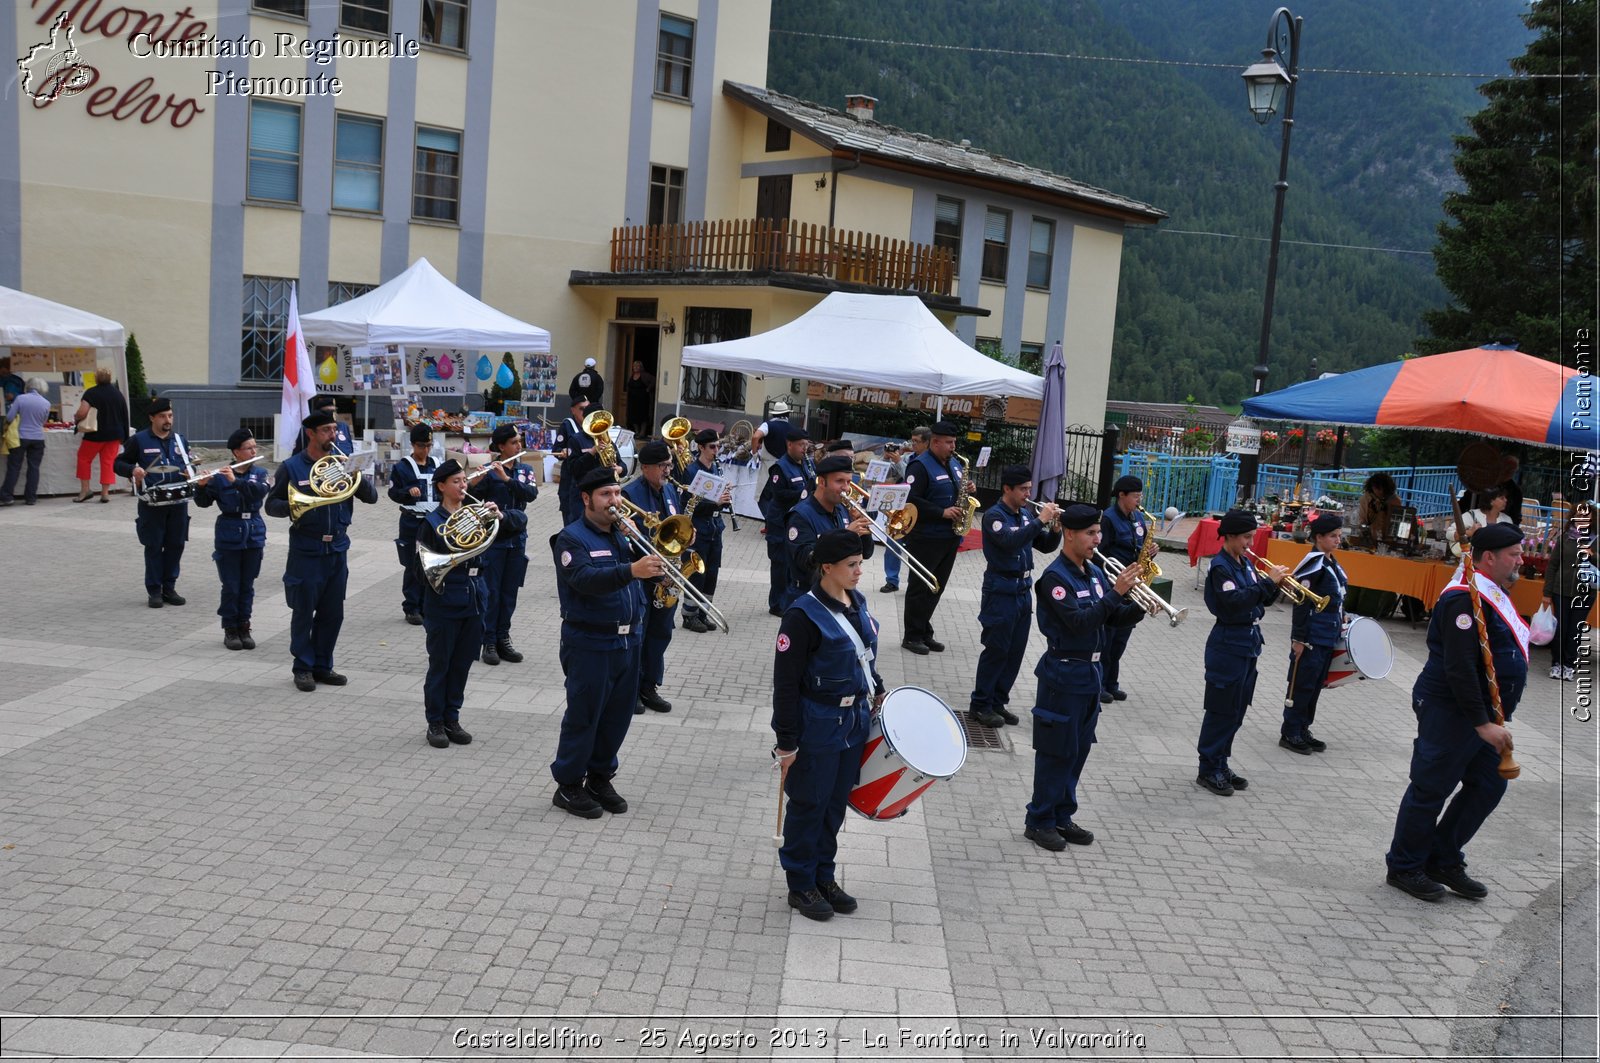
(621, 512)
(1140, 592)
(1293, 589)
(896, 524)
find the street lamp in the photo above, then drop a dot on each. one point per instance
(1270, 86)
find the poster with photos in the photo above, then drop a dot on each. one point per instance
(539, 379)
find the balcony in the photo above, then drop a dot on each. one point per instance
(785, 253)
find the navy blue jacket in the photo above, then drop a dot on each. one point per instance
(1237, 597)
(463, 592)
(1009, 540)
(602, 604)
(519, 488)
(144, 449)
(1122, 537)
(807, 522)
(402, 478)
(787, 484)
(239, 523)
(933, 490)
(1453, 674)
(707, 514)
(821, 699)
(1322, 575)
(320, 530)
(1075, 606)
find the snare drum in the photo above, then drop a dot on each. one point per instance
(1364, 652)
(915, 741)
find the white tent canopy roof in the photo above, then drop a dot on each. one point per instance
(887, 341)
(29, 321)
(420, 308)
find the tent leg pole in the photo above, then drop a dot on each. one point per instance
(677, 407)
(939, 408)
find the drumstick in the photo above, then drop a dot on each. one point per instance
(1288, 695)
(777, 839)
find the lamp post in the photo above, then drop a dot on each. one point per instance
(1270, 87)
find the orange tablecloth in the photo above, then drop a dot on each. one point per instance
(1204, 541)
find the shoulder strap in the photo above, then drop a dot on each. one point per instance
(863, 655)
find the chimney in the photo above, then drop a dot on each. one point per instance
(860, 107)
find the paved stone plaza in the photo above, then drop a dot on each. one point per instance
(198, 861)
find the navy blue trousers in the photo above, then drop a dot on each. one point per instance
(412, 585)
(778, 596)
(313, 588)
(162, 532)
(818, 788)
(503, 570)
(657, 637)
(1308, 679)
(602, 690)
(238, 570)
(1006, 621)
(939, 556)
(1060, 751)
(1111, 658)
(1225, 706)
(452, 647)
(1447, 752)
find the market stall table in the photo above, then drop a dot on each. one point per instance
(1205, 543)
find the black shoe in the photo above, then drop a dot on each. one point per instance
(173, 598)
(935, 645)
(692, 622)
(328, 677)
(1119, 694)
(436, 737)
(508, 652)
(773, 610)
(836, 897)
(1075, 835)
(1046, 838)
(916, 646)
(456, 734)
(414, 618)
(1459, 881)
(304, 682)
(490, 656)
(576, 799)
(1105, 697)
(602, 791)
(1415, 883)
(653, 701)
(154, 601)
(1008, 716)
(1238, 782)
(638, 709)
(889, 588)
(985, 717)
(810, 904)
(1217, 784)
(230, 638)
(1297, 744)
(1315, 743)
(244, 637)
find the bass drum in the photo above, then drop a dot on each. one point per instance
(915, 741)
(1364, 652)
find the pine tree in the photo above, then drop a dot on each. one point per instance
(138, 390)
(1517, 251)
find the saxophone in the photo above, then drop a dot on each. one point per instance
(1147, 554)
(967, 505)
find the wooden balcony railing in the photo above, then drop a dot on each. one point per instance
(745, 244)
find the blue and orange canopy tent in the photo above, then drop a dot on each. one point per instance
(1491, 391)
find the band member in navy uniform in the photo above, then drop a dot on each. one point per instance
(603, 603)
(654, 492)
(510, 486)
(411, 488)
(1458, 743)
(935, 480)
(1124, 533)
(820, 512)
(240, 537)
(1238, 597)
(789, 479)
(708, 526)
(1011, 533)
(343, 442)
(1316, 636)
(1078, 608)
(317, 571)
(824, 686)
(572, 443)
(153, 457)
(453, 615)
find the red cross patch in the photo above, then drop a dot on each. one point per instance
(783, 643)
(1058, 593)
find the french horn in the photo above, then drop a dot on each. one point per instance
(330, 482)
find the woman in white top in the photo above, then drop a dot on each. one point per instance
(1491, 510)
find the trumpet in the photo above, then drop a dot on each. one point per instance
(896, 524)
(1038, 507)
(1293, 589)
(1140, 592)
(469, 532)
(620, 513)
(597, 426)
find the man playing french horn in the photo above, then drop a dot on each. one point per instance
(314, 488)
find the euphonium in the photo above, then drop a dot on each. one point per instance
(469, 532)
(597, 426)
(330, 482)
(676, 432)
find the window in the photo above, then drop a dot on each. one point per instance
(947, 227)
(266, 319)
(666, 195)
(1031, 357)
(369, 15)
(996, 237)
(436, 186)
(636, 309)
(444, 23)
(274, 164)
(1041, 245)
(344, 291)
(777, 136)
(674, 56)
(714, 387)
(292, 8)
(358, 163)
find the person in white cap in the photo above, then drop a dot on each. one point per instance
(773, 432)
(589, 386)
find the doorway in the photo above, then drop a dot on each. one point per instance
(636, 402)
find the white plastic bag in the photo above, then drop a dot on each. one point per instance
(1542, 628)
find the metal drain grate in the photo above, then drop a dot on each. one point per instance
(980, 736)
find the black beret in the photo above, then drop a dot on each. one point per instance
(1076, 516)
(450, 467)
(160, 406)
(654, 453)
(422, 433)
(834, 463)
(1326, 523)
(316, 420)
(798, 433)
(1012, 475)
(1236, 521)
(503, 433)
(705, 436)
(596, 479)
(1496, 537)
(1127, 485)
(840, 444)
(240, 437)
(836, 546)
(945, 428)
(324, 402)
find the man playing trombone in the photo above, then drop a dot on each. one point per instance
(510, 485)
(656, 495)
(1315, 634)
(824, 511)
(1011, 533)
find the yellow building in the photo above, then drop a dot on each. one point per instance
(174, 164)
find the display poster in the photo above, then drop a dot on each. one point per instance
(983, 458)
(709, 487)
(436, 371)
(539, 379)
(888, 497)
(877, 471)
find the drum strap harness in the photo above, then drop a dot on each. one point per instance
(863, 655)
